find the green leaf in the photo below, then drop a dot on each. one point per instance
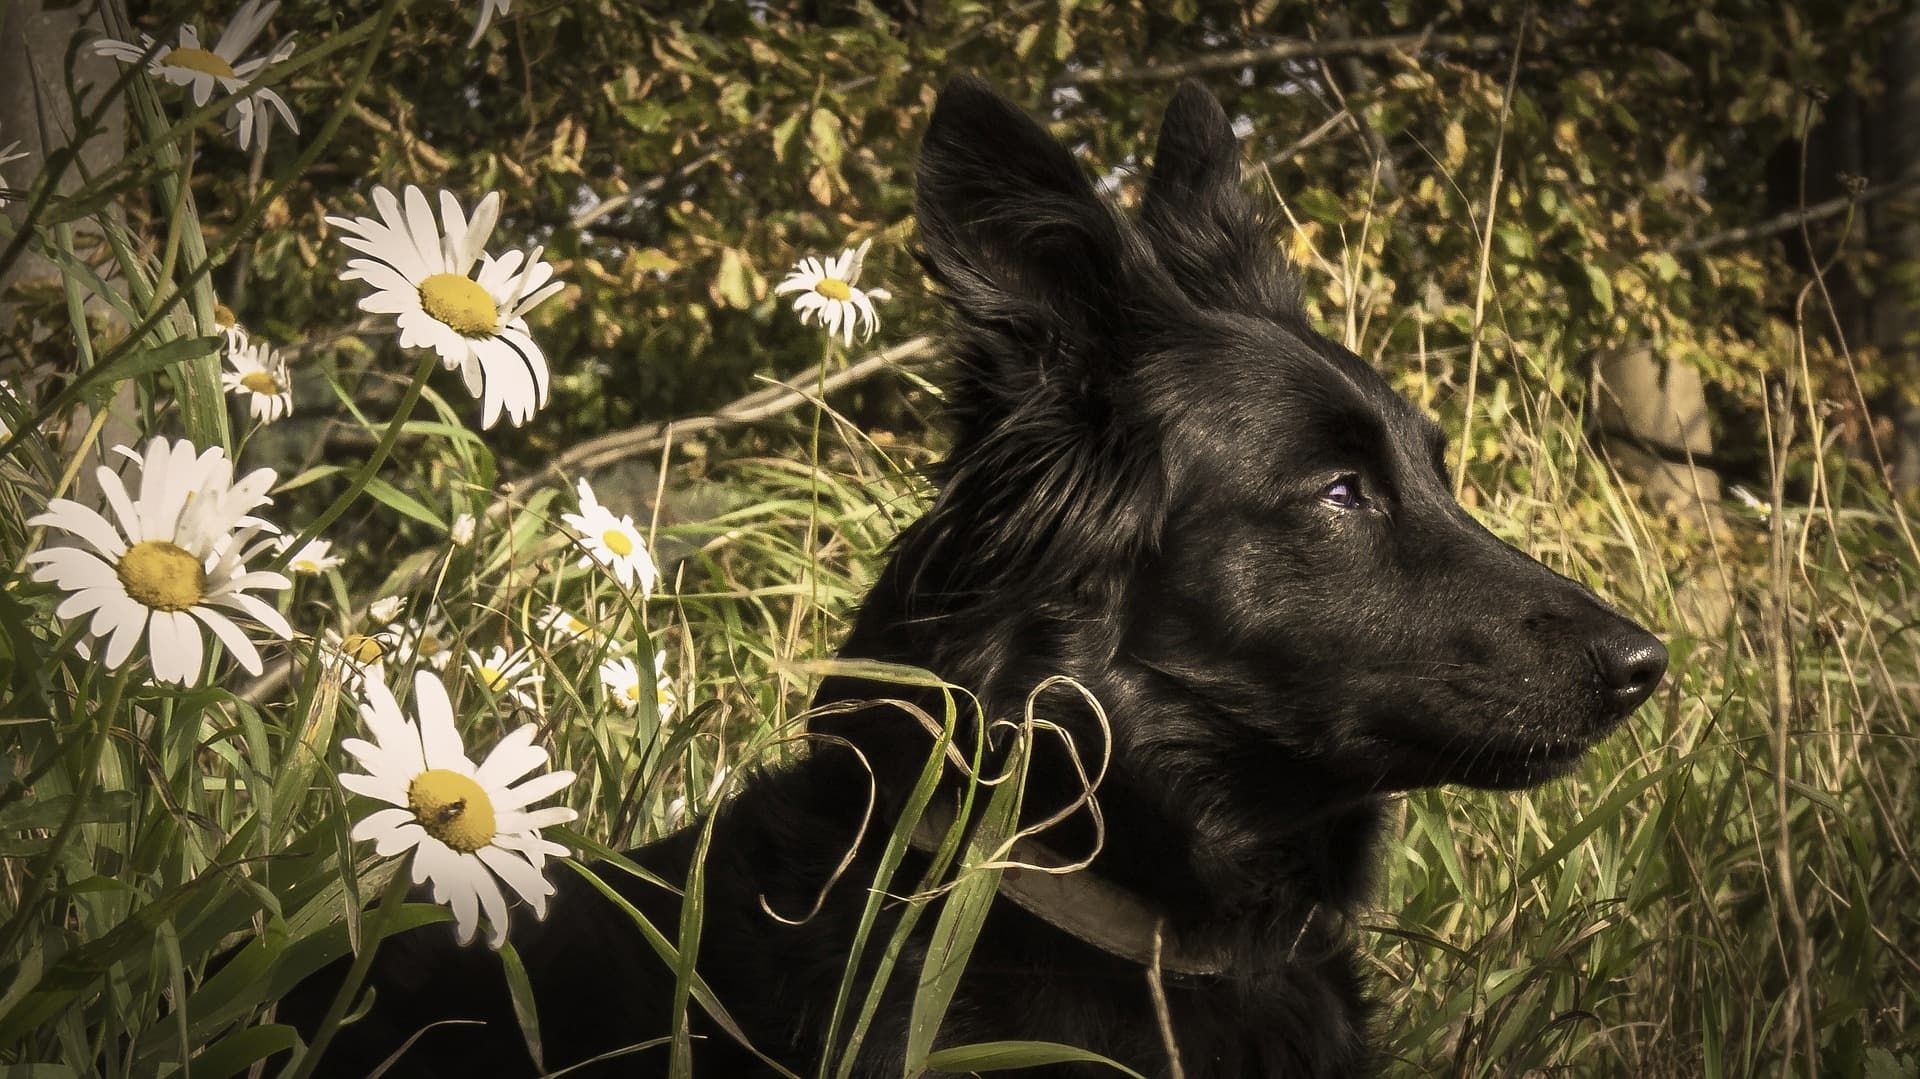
(653, 260)
(965, 910)
(524, 1009)
(1601, 287)
(730, 283)
(240, 1050)
(1000, 1056)
(823, 138)
(783, 137)
(1321, 205)
(102, 807)
(393, 498)
(98, 384)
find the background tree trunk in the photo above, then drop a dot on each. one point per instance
(35, 36)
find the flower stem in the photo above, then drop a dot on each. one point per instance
(361, 478)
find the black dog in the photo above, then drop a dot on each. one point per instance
(1233, 533)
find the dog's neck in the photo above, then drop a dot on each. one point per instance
(1227, 833)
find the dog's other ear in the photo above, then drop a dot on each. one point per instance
(1206, 230)
(1012, 229)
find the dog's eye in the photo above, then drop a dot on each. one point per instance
(1343, 493)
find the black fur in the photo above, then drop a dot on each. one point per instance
(1145, 494)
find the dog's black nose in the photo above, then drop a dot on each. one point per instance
(1631, 665)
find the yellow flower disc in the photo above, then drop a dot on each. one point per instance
(261, 383)
(452, 808)
(429, 646)
(163, 576)
(633, 693)
(223, 316)
(492, 679)
(617, 541)
(461, 303)
(363, 649)
(833, 290)
(207, 63)
(305, 565)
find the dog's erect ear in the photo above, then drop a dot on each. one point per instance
(1013, 231)
(1054, 292)
(1206, 230)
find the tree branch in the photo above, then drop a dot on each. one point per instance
(1282, 51)
(758, 405)
(1787, 222)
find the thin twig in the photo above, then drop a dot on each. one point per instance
(1486, 258)
(1282, 51)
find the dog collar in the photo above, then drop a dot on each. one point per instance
(1081, 903)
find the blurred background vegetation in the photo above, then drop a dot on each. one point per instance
(1632, 254)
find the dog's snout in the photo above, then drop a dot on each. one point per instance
(1631, 665)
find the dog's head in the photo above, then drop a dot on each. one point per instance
(1160, 469)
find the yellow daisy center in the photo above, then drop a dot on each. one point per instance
(575, 626)
(617, 541)
(163, 576)
(261, 383)
(305, 565)
(206, 63)
(224, 316)
(452, 808)
(633, 693)
(494, 680)
(362, 649)
(834, 289)
(429, 646)
(461, 303)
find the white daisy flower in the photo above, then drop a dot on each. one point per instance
(612, 542)
(385, 609)
(829, 291)
(505, 674)
(488, 9)
(623, 680)
(259, 375)
(422, 273)
(425, 641)
(463, 528)
(174, 562)
(312, 559)
(9, 153)
(469, 827)
(202, 70)
(559, 624)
